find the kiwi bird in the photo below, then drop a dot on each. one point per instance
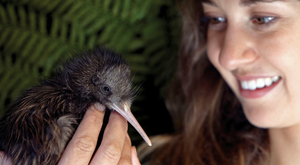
(40, 123)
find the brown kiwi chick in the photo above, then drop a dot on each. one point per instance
(38, 126)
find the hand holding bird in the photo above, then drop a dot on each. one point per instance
(83, 142)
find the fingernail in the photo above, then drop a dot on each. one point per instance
(99, 107)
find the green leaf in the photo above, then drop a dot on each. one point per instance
(12, 14)
(3, 17)
(32, 20)
(22, 14)
(96, 26)
(126, 8)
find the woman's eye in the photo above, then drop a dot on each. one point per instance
(218, 20)
(215, 23)
(214, 20)
(262, 20)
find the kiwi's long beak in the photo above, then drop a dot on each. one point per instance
(124, 110)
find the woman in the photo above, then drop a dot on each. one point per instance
(238, 78)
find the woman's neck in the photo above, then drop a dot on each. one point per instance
(285, 146)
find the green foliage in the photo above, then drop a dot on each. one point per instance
(36, 35)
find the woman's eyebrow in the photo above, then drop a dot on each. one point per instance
(251, 2)
(209, 2)
(243, 2)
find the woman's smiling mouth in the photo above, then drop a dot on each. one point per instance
(256, 88)
(258, 83)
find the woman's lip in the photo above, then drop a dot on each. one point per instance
(257, 93)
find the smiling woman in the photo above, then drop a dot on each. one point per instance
(258, 42)
(235, 97)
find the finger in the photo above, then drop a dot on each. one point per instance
(134, 158)
(81, 147)
(112, 144)
(126, 152)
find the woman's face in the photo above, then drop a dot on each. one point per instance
(255, 45)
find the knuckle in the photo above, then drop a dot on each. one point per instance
(85, 144)
(119, 121)
(113, 153)
(122, 124)
(125, 161)
(95, 120)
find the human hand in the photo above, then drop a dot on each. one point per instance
(115, 148)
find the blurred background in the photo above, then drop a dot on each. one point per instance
(36, 35)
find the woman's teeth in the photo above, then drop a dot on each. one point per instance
(259, 83)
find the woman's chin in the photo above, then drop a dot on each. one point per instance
(262, 118)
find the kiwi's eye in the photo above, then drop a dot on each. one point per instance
(105, 89)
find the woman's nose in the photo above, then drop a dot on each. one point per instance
(237, 49)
